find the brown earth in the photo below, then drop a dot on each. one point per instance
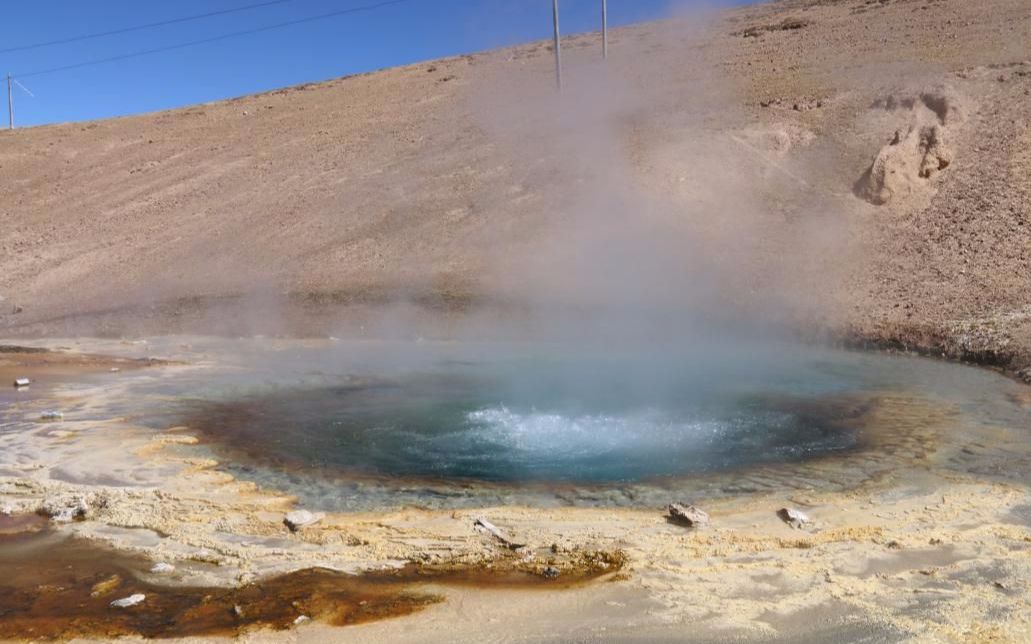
(864, 164)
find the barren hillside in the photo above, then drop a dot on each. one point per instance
(863, 163)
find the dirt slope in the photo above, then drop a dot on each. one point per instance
(865, 163)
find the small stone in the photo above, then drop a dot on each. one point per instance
(129, 601)
(21, 382)
(51, 415)
(550, 572)
(687, 515)
(792, 517)
(301, 619)
(237, 611)
(161, 568)
(298, 519)
(485, 526)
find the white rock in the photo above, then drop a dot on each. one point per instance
(794, 518)
(485, 526)
(51, 415)
(162, 567)
(301, 619)
(126, 602)
(687, 515)
(298, 519)
(22, 382)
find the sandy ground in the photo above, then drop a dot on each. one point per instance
(862, 164)
(923, 553)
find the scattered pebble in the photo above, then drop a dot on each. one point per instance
(298, 519)
(483, 525)
(51, 415)
(550, 572)
(126, 602)
(687, 515)
(794, 518)
(301, 619)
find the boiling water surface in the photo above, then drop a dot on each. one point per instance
(358, 424)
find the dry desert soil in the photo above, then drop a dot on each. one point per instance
(852, 168)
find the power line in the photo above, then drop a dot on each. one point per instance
(202, 41)
(149, 25)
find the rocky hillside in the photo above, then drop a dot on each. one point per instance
(853, 166)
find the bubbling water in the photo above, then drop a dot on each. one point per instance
(531, 417)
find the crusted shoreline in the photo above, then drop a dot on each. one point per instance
(940, 532)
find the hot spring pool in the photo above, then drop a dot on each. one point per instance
(357, 425)
(466, 425)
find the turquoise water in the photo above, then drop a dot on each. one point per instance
(539, 412)
(484, 423)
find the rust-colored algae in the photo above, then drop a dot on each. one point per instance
(53, 587)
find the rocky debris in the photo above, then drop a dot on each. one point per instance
(298, 519)
(21, 382)
(51, 415)
(483, 525)
(17, 348)
(787, 24)
(1025, 375)
(551, 572)
(794, 518)
(687, 515)
(161, 568)
(899, 167)
(914, 154)
(943, 102)
(804, 104)
(129, 601)
(301, 619)
(237, 611)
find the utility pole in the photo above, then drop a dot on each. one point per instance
(10, 104)
(558, 46)
(604, 29)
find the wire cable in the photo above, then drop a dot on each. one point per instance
(202, 41)
(149, 25)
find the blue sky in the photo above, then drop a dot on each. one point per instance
(410, 31)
